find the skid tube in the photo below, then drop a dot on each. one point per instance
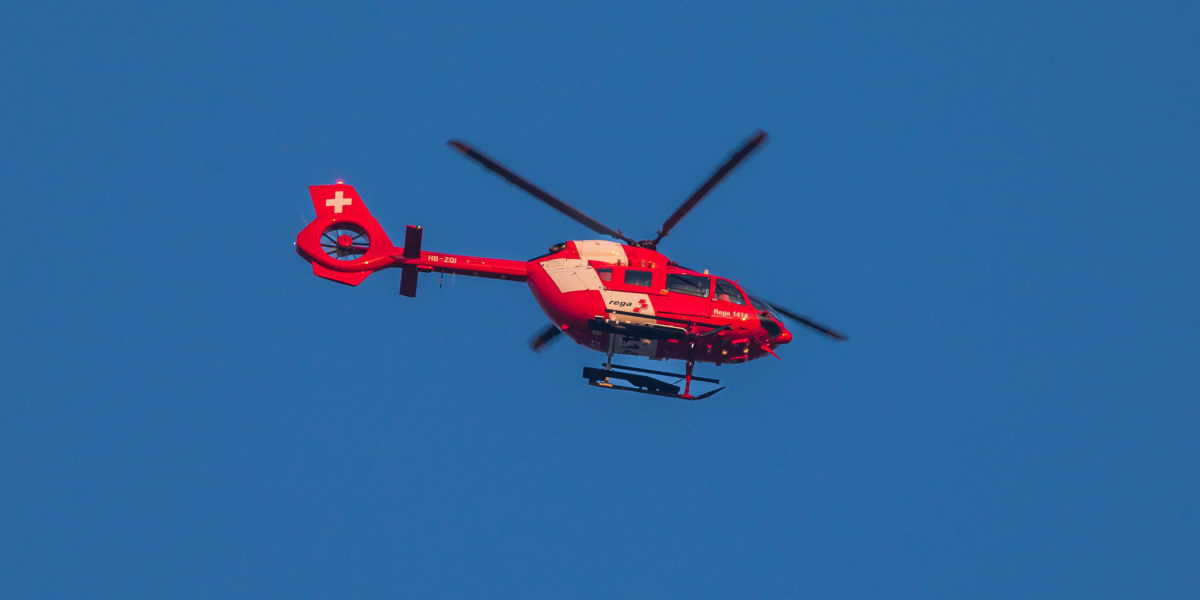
(643, 384)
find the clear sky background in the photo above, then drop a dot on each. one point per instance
(999, 205)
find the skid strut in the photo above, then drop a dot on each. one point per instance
(676, 329)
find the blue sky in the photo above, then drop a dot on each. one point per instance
(998, 204)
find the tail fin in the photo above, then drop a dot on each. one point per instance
(345, 243)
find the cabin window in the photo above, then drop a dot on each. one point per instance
(605, 274)
(728, 292)
(692, 285)
(642, 278)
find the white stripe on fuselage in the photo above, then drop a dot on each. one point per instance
(571, 274)
(629, 302)
(637, 309)
(574, 274)
(601, 251)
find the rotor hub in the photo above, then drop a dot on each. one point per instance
(345, 241)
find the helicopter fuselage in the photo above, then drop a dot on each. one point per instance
(609, 297)
(583, 284)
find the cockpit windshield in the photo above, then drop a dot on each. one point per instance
(762, 305)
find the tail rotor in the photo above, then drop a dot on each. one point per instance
(345, 241)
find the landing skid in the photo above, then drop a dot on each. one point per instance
(643, 384)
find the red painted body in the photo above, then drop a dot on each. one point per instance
(576, 283)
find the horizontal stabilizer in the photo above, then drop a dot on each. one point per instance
(412, 241)
(408, 281)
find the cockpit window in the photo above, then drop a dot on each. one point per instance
(642, 278)
(692, 285)
(729, 293)
(762, 305)
(605, 274)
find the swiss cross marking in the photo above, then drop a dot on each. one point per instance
(337, 202)
(642, 305)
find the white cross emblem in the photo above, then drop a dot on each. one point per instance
(337, 202)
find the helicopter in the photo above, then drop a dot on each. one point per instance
(619, 297)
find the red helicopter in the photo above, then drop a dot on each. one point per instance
(615, 298)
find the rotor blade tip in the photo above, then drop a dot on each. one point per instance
(457, 145)
(539, 343)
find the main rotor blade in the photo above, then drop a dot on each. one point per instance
(547, 335)
(535, 191)
(747, 147)
(803, 320)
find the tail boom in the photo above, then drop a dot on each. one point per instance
(346, 244)
(471, 266)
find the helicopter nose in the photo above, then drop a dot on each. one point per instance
(784, 337)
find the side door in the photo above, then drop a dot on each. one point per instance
(729, 302)
(629, 294)
(629, 291)
(686, 296)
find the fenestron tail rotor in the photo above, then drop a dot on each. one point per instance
(345, 241)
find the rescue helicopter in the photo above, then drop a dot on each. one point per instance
(619, 297)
